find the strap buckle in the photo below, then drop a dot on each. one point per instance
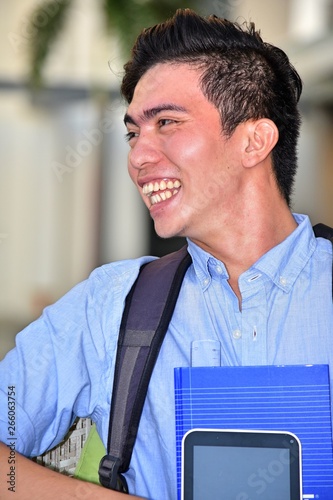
(108, 473)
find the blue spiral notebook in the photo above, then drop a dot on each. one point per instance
(281, 398)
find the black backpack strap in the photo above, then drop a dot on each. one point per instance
(323, 231)
(148, 310)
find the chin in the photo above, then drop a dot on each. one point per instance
(168, 232)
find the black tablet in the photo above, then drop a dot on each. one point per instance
(241, 465)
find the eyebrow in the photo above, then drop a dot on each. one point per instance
(151, 112)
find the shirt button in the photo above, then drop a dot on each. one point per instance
(219, 269)
(283, 281)
(206, 282)
(236, 334)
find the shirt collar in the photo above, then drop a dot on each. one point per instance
(205, 264)
(282, 264)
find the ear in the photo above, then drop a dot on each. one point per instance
(261, 137)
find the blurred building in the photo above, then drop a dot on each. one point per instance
(67, 204)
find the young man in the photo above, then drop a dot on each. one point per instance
(212, 125)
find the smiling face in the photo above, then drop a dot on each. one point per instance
(187, 172)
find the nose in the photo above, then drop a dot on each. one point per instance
(145, 151)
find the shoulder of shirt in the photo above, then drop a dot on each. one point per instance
(106, 287)
(105, 282)
(121, 270)
(324, 246)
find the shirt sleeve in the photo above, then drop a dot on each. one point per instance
(61, 367)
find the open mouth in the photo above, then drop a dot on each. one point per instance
(158, 191)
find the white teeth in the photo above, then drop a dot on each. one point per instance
(148, 188)
(155, 198)
(162, 196)
(161, 191)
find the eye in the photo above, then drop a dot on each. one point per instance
(165, 121)
(130, 135)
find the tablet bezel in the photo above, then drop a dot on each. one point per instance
(240, 438)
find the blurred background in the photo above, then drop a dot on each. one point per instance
(67, 204)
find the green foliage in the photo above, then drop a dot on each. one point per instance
(46, 23)
(128, 18)
(125, 18)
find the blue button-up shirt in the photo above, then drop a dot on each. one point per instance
(63, 364)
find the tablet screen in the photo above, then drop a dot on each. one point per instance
(241, 465)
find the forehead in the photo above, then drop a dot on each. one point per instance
(167, 81)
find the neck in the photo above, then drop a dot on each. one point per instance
(249, 236)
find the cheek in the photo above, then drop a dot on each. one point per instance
(200, 160)
(131, 171)
(191, 153)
